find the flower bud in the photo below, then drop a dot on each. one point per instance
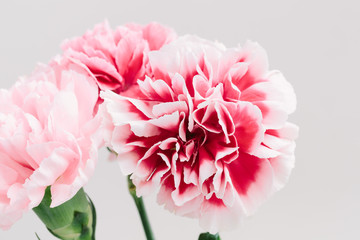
(74, 219)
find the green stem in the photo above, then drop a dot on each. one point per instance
(209, 236)
(72, 220)
(141, 209)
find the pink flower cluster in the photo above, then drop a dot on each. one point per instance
(204, 125)
(118, 58)
(47, 129)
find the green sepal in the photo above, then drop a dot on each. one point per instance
(93, 210)
(209, 236)
(72, 220)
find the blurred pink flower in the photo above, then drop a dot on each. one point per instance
(47, 128)
(210, 129)
(117, 58)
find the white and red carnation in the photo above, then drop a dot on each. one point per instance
(47, 138)
(117, 58)
(209, 128)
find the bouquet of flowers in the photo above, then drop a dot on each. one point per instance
(202, 125)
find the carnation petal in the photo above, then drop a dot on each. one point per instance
(184, 193)
(65, 108)
(158, 35)
(249, 131)
(252, 178)
(215, 216)
(275, 89)
(169, 108)
(273, 115)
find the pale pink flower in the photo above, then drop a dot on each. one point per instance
(210, 129)
(118, 58)
(47, 138)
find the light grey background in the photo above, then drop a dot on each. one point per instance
(314, 43)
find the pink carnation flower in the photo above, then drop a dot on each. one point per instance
(47, 125)
(117, 58)
(210, 129)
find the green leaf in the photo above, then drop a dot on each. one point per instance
(209, 236)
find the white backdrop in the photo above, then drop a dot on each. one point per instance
(314, 43)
